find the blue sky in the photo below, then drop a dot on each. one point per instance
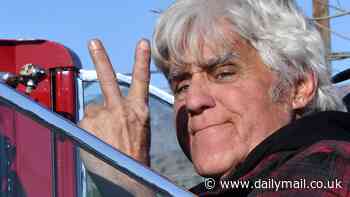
(120, 24)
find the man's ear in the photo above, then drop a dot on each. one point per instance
(305, 90)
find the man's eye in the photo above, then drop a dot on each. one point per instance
(223, 73)
(224, 76)
(180, 89)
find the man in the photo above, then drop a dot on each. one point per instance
(253, 97)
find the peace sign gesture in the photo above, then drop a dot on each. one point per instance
(121, 121)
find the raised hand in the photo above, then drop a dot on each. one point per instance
(121, 121)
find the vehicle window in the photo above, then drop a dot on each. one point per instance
(4, 160)
(122, 175)
(30, 183)
(26, 168)
(114, 182)
(167, 157)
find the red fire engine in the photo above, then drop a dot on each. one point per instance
(43, 91)
(42, 94)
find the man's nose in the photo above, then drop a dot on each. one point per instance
(198, 97)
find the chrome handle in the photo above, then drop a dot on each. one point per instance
(30, 75)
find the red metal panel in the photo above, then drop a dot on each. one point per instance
(7, 123)
(16, 53)
(7, 130)
(34, 156)
(33, 161)
(7, 58)
(65, 97)
(46, 54)
(65, 92)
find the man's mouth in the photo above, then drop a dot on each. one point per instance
(194, 131)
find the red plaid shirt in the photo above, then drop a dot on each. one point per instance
(310, 157)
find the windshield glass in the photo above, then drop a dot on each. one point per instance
(127, 177)
(167, 157)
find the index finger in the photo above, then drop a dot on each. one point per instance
(105, 72)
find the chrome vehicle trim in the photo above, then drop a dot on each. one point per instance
(90, 75)
(80, 92)
(81, 171)
(89, 142)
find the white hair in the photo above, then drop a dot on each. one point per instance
(285, 39)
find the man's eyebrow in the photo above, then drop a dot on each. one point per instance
(179, 72)
(220, 60)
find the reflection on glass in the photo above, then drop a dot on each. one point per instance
(166, 156)
(103, 181)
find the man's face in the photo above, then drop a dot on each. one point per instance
(224, 110)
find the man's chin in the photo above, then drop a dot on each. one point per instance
(209, 169)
